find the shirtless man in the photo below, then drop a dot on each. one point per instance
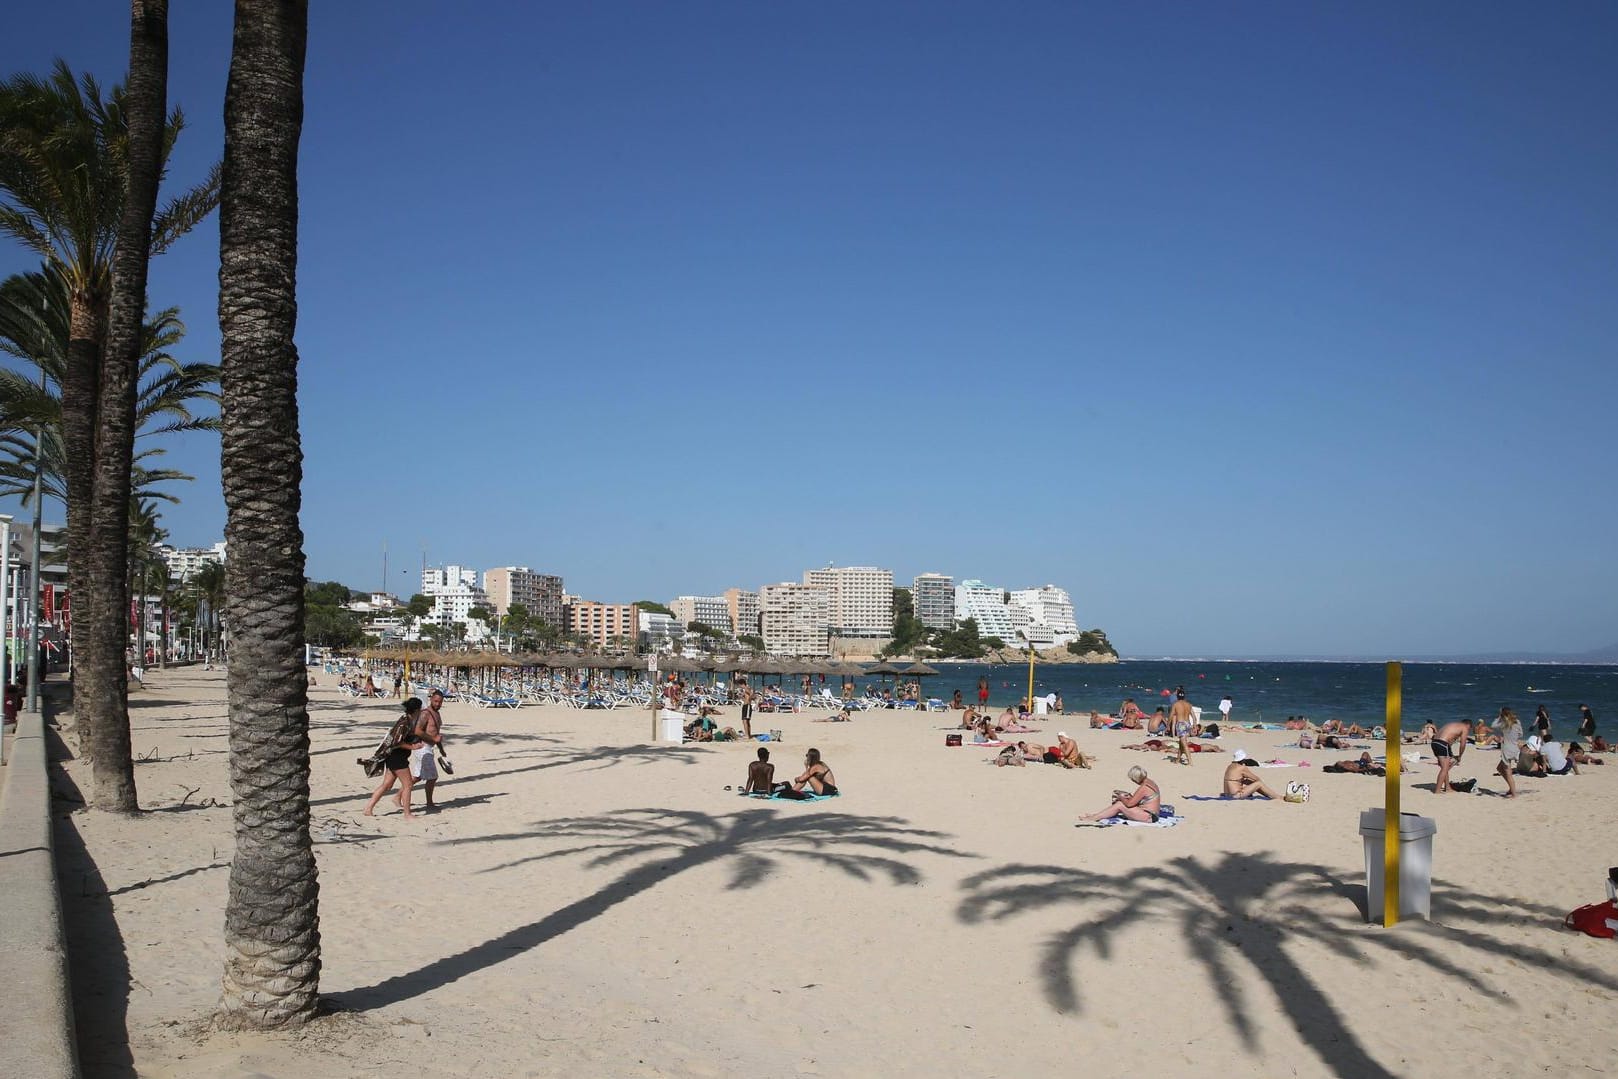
(760, 774)
(1159, 723)
(430, 729)
(1180, 715)
(1033, 751)
(1448, 745)
(1242, 782)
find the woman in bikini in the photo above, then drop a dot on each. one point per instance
(404, 740)
(1144, 804)
(816, 775)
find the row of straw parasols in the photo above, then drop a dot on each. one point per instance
(717, 664)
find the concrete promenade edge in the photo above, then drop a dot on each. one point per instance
(36, 1015)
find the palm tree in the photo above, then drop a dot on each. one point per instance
(272, 923)
(34, 328)
(209, 582)
(78, 177)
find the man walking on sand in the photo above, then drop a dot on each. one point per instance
(430, 729)
(1180, 716)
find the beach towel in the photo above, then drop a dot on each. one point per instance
(808, 796)
(1161, 822)
(1218, 798)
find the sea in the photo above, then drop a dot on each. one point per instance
(1271, 692)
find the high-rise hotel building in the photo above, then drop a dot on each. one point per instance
(860, 599)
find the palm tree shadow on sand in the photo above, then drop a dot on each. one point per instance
(657, 844)
(1240, 910)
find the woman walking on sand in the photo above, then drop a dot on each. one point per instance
(1510, 748)
(1542, 724)
(401, 741)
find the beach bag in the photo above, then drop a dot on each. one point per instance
(1297, 792)
(952, 739)
(1594, 919)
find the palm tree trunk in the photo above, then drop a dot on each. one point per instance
(81, 380)
(272, 924)
(104, 706)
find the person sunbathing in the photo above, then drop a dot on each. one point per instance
(816, 776)
(1066, 753)
(1296, 723)
(1032, 751)
(985, 732)
(1134, 721)
(1599, 744)
(1242, 782)
(1483, 736)
(1015, 727)
(760, 774)
(1099, 722)
(969, 718)
(1361, 765)
(840, 717)
(1576, 753)
(1144, 803)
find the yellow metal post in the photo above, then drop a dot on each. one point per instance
(1390, 813)
(1030, 677)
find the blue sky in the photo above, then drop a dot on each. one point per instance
(1259, 327)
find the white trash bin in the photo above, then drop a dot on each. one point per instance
(671, 726)
(1415, 863)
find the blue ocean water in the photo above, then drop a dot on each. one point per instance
(1271, 691)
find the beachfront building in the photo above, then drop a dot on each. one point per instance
(795, 619)
(986, 605)
(742, 606)
(539, 593)
(860, 597)
(603, 624)
(711, 611)
(454, 591)
(657, 630)
(933, 597)
(1048, 611)
(184, 562)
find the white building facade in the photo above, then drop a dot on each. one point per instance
(657, 629)
(184, 562)
(742, 607)
(860, 598)
(795, 619)
(711, 611)
(454, 591)
(1049, 608)
(986, 605)
(933, 597)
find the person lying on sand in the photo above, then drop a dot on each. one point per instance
(1363, 765)
(840, 717)
(1577, 754)
(1099, 722)
(1242, 782)
(1144, 803)
(1032, 751)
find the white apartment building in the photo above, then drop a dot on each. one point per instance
(184, 562)
(711, 611)
(742, 606)
(795, 619)
(539, 593)
(986, 605)
(933, 597)
(657, 629)
(454, 591)
(861, 599)
(1049, 607)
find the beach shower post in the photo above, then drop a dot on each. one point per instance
(1390, 815)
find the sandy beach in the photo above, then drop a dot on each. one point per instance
(588, 903)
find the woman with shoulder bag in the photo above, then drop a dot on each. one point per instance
(402, 740)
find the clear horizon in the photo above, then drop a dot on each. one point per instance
(1259, 329)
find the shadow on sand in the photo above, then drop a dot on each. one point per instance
(659, 844)
(1242, 911)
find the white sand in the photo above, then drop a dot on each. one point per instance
(589, 904)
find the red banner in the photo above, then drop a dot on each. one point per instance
(47, 603)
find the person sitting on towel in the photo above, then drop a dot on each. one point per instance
(760, 774)
(1242, 782)
(1144, 804)
(816, 776)
(1557, 762)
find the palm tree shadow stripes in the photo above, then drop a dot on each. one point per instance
(755, 840)
(1239, 911)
